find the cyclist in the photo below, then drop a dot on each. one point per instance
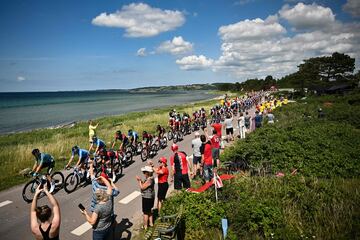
(100, 144)
(133, 136)
(43, 160)
(147, 138)
(83, 158)
(123, 138)
(161, 131)
(172, 123)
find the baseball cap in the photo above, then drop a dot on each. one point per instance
(163, 160)
(147, 169)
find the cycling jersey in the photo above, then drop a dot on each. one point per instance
(44, 159)
(83, 154)
(147, 137)
(133, 136)
(100, 143)
(123, 138)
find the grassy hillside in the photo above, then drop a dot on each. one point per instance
(320, 202)
(15, 149)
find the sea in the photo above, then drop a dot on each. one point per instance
(32, 110)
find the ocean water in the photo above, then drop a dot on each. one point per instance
(32, 110)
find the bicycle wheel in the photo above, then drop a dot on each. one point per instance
(71, 182)
(144, 154)
(129, 156)
(170, 135)
(58, 179)
(164, 142)
(154, 149)
(139, 148)
(180, 136)
(129, 148)
(118, 169)
(29, 190)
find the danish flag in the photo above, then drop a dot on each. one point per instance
(217, 181)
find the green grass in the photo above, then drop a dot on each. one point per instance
(15, 149)
(322, 201)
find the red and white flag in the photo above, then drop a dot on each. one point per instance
(217, 181)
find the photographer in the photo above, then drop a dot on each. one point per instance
(47, 229)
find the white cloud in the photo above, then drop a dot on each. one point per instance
(141, 20)
(20, 78)
(251, 29)
(352, 7)
(303, 16)
(275, 54)
(194, 62)
(141, 52)
(176, 46)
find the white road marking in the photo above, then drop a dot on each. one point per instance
(4, 203)
(130, 197)
(81, 229)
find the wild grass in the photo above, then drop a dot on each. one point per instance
(15, 149)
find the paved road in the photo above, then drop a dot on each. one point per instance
(14, 212)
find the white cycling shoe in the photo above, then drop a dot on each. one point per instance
(52, 186)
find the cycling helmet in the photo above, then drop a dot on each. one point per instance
(94, 138)
(174, 147)
(158, 127)
(75, 149)
(35, 152)
(110, 154)
(118, 133)
(130, 132)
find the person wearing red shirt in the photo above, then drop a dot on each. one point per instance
(163, 185)
(215, 144)
(206, 159)
(179, 168)
(217, 127)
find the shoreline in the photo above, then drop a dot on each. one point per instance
(72, 123)
(15, 147)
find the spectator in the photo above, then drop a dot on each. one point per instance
(215, 145)
(163, 173)
(206, 159)
(101, 217)
(217, 126)
(148, 195)
(229, 127)
(196, 144)
(270, 117)
(179, 169)
(258, 120)
(241, 125)
(247, 121)
(92, 129)
(103, 183)
(43, 215)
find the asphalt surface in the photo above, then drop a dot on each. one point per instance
(14, 212)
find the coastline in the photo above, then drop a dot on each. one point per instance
(58, 140)
(68, 121)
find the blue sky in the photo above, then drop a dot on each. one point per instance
(106, 44)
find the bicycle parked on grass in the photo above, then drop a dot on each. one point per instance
(30, 187)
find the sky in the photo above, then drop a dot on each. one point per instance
(116, 44)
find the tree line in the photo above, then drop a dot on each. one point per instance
(317, 72)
